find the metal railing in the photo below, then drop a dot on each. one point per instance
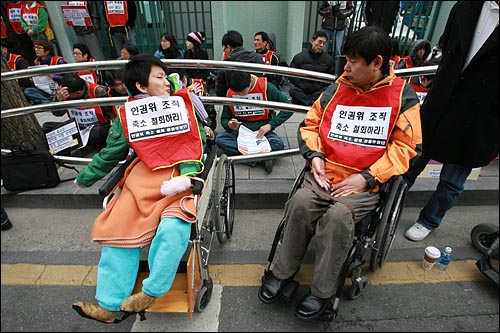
(191, 64)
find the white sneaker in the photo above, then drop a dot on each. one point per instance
(417, 232)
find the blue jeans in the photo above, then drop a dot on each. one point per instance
(228, 142)
(338, 36)
(449, 188)
(37, 96)
(118, 267)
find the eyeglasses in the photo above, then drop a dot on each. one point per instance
(77, 53)
(38, 47)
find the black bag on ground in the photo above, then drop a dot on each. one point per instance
(24, 170)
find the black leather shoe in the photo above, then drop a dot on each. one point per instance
(272, 288)
(311, 307)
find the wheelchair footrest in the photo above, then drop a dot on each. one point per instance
(289, 290)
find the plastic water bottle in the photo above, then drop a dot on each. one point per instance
(444, 260)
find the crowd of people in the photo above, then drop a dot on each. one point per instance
(422, 118)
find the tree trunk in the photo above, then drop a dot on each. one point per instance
(18, 129)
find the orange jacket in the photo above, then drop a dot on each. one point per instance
(403, 144)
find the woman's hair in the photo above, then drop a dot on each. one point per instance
(47, 46)
(173, 51)
(84, 48)
(131, 49)
(137, 70)
(368, 43)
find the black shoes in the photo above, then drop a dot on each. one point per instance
(273, 288)
(311, 307)
(268, 166)
(6, 225)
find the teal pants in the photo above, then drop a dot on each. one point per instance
(118, 267)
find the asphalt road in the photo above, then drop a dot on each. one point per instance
(400, 297)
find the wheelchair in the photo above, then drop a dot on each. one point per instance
(215, 204)
(375, 232)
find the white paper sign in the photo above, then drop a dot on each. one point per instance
(44, 82)
(155, 117)
(361, 125)
(248, 143)
(63, 137)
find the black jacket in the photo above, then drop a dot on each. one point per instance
(241, 55)
(311, 61)
(460, 112)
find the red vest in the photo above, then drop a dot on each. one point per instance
(91, 115)
(355, 129)
(12, 60)
(419, 89)
(266, 57)
(30, 15)
(156, 147)
(53, 60)
(251, 113)
(14, 16)
(409, 63)
(4, 29)
(88, 74)
(117, 16)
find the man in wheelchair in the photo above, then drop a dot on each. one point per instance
(360, 132)
(156, 203)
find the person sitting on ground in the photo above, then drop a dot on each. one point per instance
(419, 52)
(156, 204)
(44, 93)
(127, 51)
(347, 165)
(97, 118)
(422, 83)
(16, 62)
(116, 86)
(81, 53)
(305, 92)
(169, 49)
(194, 40)
(263, 46)
(232, 42)
(265, 121)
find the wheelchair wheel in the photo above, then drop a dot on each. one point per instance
(204, 295)
(390, 228)
(390, 218)
(482, 236)
(225, 199)
(356, 288)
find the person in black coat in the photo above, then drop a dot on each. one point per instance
(304, 91)
(460, 113)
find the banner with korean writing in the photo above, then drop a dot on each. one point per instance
(155, 117)
(77, 16)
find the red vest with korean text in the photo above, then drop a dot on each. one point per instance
(355, 129)
(116, 19)
(163, 151)
(3, 30)
(88, 74)
(14, 16)
(30, 15)
(251, 113)
(94, 111)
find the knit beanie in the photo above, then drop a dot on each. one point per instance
(196, 38)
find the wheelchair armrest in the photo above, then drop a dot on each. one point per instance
(209, 161)
(115, 177)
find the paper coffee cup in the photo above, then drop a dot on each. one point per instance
(431, 255)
